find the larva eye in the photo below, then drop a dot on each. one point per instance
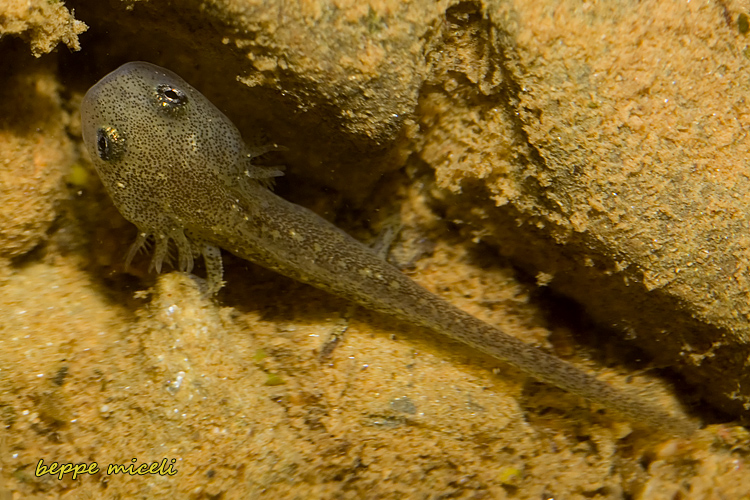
(110, 143)
(170, 98)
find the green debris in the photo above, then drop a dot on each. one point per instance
(273, 379)
(374, 21)
(78, 175)
(510, 476)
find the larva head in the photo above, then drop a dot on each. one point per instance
(156, 142)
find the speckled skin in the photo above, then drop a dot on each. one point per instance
(178, 169)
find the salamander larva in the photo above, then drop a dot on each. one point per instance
(177, 168)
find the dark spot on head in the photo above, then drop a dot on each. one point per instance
(110, 143)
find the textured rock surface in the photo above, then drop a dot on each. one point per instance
(600, 146)
(35, 153)
(618, 151)
(42, 23)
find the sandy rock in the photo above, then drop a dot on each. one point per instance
(609, 169)
(616, 151)
(42, 23)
